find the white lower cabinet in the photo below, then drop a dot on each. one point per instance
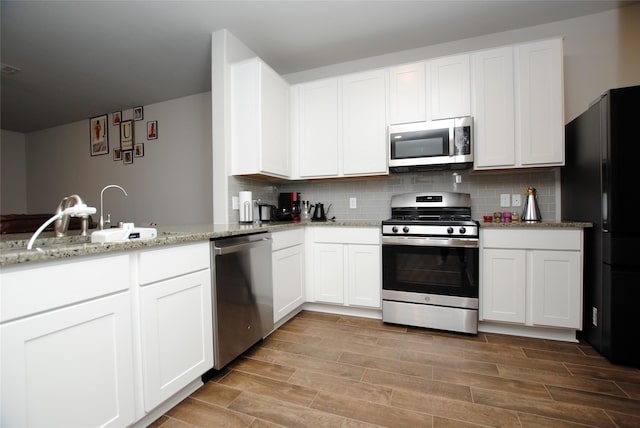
(288, 272)
(504, 282)
(81, 337)
(532, 277)
(175, 319)
(345, 266)
(67, 344)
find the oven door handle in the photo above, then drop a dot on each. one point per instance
(429, 241)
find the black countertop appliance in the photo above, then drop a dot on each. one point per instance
(599, 185)
(288, 206)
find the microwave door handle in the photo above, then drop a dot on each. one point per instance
(452, 141)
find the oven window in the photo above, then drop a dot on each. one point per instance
(447, 271)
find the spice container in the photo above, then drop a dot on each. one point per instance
(487, 218)
(497, 217)
(506, 216)
(515, 218)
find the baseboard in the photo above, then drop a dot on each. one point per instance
(550, 333)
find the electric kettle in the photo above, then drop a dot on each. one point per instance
(318, 213)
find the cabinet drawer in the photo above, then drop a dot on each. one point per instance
(347, 235)
(287, 239)
(51, 285)
(168, 262)
(532, 239)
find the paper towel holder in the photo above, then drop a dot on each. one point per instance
(246, 206)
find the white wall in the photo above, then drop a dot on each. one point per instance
(170, 185)
(13, 177)
(225, 50)
(600, 52)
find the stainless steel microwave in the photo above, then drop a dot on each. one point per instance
(438, 144)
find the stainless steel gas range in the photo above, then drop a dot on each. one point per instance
(430, 260)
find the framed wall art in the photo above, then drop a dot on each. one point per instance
(99, 137)
(152, 130)
(116, 118)
(138, 150)
(127, 156)
(137, 113)
(126, 135)
(117, 154)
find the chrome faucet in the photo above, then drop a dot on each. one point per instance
(62, 224)
(101, 225)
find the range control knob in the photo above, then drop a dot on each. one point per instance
(463, 230)
(405, 229)
(394, 229)
(449, 230)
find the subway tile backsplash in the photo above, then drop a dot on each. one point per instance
(373, 194)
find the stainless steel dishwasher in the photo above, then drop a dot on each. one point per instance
(242, 294)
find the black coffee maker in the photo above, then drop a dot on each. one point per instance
(288, 206)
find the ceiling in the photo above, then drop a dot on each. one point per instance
(79, 59)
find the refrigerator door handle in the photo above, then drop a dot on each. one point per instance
(604, 161)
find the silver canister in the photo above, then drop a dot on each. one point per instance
(246, 206)
(531, 212)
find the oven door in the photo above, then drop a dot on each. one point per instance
(436, 266)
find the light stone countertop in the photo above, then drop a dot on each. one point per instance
(539, 224)
(13, 249)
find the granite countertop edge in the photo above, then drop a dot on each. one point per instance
(13, 249)
(48, 248)
(539, 224)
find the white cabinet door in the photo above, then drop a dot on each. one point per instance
(259, 120)
(556, 279)
(176, 331)
(364, 275)
(288, 280)
(364, 123)
(503, 289)
(450, 87)
(407, 93)
(540, 103)
(70, 367)
(493, 108)
(318, 131)
(328, 273)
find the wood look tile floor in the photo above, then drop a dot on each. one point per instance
(323, 370)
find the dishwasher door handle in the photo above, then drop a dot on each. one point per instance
(228, 249)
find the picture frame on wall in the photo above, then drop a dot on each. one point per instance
(117, 154)
(137, 113)
(127, 157)
(98, 135)
(138, 150)
(127, 131)
(152, 130)
(116, 118)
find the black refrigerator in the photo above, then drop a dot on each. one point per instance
(600, 184)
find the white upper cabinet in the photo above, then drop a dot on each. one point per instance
(540, 96)
(340, 126)
(449, 92)
(493, 108)
(518, 106)
(317, 132)
(408, 93)
(259, 120)
(364, 123)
